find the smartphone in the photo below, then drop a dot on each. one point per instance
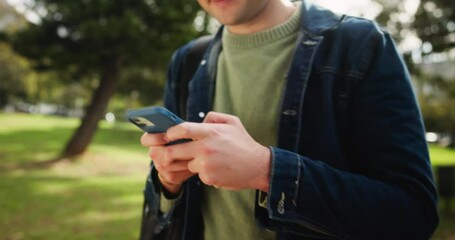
(155, 120)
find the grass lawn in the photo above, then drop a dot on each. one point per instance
(441, 156)
(444, 157)
(97, 197)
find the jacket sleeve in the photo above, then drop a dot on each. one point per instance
(157, 224)
(388, 193)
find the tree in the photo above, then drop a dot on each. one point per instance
(438, 104)
(435, 26)
(13, 69)
(98, 40)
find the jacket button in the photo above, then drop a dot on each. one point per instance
(146, 209)
(309, 43)
(203, 62)
(281, 204)
(201, 114)
(290, 112)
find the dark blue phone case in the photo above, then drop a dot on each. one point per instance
(153, 119)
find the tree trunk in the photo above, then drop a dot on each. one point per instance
(83, 135)
(452, 140)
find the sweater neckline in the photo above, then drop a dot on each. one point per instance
(243, 41)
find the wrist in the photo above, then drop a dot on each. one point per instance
(264, 179)
(170, 190)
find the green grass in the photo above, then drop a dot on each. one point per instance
(99, 196)
(441, 156)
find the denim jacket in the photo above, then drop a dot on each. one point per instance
(351, 160)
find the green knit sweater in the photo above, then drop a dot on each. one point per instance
(250, 79)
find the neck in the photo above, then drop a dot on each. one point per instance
(273, 14)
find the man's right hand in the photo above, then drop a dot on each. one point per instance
(171, 172)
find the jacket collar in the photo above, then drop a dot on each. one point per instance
(316, 20)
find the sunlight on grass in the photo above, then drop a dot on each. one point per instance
(99, 196)
(442, 156)
(46, 203)
(13, 122)
(97, 216)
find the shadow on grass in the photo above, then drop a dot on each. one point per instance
(39, 205)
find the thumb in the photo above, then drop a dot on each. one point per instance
(216, 117)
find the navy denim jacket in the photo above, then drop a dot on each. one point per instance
(351, 162)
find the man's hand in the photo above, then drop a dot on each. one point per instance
(171, 172)
(222, 153)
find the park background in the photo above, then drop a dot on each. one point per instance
(70, 165)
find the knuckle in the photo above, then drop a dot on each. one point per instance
(236, 120)
(213, 131)
(172, 178)
(153, 154)
(185, 130)
(207, 179)
(158, 165)
(207, 149)
(205, 166)
(210, 114)
(165, 163)
(192, 168)
(167, 159)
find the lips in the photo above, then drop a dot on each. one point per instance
(220, 3)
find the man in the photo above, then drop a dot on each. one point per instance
(331, 97)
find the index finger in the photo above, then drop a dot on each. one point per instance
(188, 130)
(154, 139)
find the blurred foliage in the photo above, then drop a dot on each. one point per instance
(437, 101)
(77, 38)
(394, 18)
(13, 69)
(10, 19)
(434, 25)
(12, 72)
